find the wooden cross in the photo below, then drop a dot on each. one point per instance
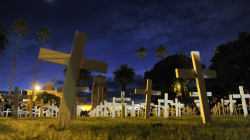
(231, 102)
(16, 98)
(199, 76)
(148, 93)
(123, 100)
(243, 99)
(75, 62)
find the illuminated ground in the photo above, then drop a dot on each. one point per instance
(187, 127)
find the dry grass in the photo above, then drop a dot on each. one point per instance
(185, 127)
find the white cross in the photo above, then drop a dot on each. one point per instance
(106, 105)
(178, 107)
(160, 106)
(113, 107)
(199, 76)
(122, 100)
(75, 62)
(243, 99)
(166, 102)
(148, 93)
(231, 102)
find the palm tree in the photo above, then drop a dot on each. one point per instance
(124, 75)
(83, 76)
(44, 34)
(3, 38)
(161, 52)
(142, 53)
(21, 28)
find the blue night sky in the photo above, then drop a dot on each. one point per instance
(116, 29)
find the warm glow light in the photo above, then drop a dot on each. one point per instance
(37, 87)
(86, 107)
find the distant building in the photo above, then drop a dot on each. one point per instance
(99, 91)
(49, 89)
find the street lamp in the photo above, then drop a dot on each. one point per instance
(37, 87)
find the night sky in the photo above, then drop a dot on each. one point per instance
(116, 29)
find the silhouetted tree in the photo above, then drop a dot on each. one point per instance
(141, 52)
(164, 78)
(44, 34)
(21, 28)
(161, 52)
(124, 75)
(3, 38)
(48, 97)
(232, 65)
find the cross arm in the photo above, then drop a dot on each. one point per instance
(82, 89)
(156, 92)
(63, 59)
(93, 65)
(54, 56)
(196, 94)
(140, 91)
(127, 99)
(236, 95)
(190, 73)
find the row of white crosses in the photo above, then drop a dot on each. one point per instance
(75, 62)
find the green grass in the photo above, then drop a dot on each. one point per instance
(185, 127)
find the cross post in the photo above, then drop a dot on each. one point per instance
(199, 76)
(148, 93)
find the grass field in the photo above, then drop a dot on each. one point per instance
(185, 127)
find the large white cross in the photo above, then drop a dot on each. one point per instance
(243, 99)
(122, 100)
(199, 76)
(75, 62)
(148, 93)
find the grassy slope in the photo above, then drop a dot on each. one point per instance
(185, 127)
